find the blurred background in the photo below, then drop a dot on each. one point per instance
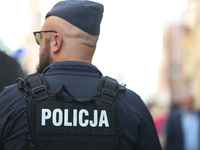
(151, 45)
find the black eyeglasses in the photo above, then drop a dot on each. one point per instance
(38, 35)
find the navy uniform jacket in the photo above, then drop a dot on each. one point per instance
(138, 132)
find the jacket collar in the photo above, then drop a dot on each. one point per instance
(72, 67)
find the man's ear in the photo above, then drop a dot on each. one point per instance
(57, 43)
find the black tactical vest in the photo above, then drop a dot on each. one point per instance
(55, 122)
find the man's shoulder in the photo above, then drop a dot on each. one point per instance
(174, 117)
(10, 90)
(132, 104)
(137, 118)
(131, 100)
(10, 98)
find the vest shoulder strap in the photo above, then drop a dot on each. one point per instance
(37, 86)
(109, 88)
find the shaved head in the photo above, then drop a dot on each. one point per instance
(69, 32)
(75, 44)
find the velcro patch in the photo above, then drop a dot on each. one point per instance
(75, 118)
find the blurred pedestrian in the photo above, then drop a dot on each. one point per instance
(9, 70)
(183, 126)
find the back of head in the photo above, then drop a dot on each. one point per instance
(78, 22)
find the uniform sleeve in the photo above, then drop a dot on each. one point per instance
(146, 141)
(12, 126)
(142, 132)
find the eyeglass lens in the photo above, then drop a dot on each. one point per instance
(38, 38)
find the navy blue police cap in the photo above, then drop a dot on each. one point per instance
(86, 15)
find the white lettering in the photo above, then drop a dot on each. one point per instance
(94, 122)
(103, 119)
(57, 121)
(83, 111)
(75, 117)
(78, 117)
(66, 121)
(46, 114)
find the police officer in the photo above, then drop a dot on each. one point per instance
(67, 43)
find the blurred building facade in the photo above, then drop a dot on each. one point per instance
(35, 23)
(180, 66)
(192, 20)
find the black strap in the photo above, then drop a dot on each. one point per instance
(109, 90)
(37, 87)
